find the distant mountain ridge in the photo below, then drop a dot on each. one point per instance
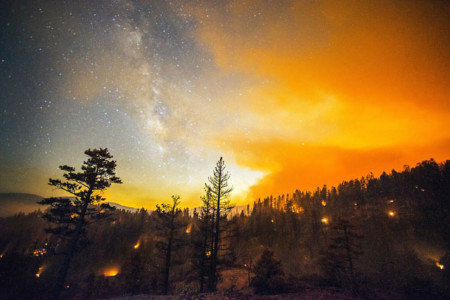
(14, 203)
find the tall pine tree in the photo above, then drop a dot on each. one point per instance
(70, 216)
(220, 191)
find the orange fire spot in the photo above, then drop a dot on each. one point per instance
(39, 272)
(324, 220)
(111, 272)
(188, 229)
(137, 245)
(440, 266)
(391, 213)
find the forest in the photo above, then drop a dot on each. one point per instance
(382, 237)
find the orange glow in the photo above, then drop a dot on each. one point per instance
(297, 209)
(391, 213)
(111, 272)
(440, 266)
(39, 272)
(326, 92)
(304, 93)
(188, 229)
(324, 220)
(324, 203)
(137, 245)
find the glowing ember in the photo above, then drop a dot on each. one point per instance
(324, 220)
(391, 201)
(137, 245)
(39, 252)
(208, 253)
(324, 203)
(392, 213)
(1, 255)
(272, 220)
(439, 266)
(40, 270)
(111, 272)
(188, 229)
(73, 216)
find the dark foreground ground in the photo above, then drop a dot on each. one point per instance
(308, 294)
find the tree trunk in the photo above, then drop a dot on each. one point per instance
(349, 254)
(69, 252)
(167, 268)
(169, 253)
(213, 275)
(203, 258)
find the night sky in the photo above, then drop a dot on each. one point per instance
(293, 94)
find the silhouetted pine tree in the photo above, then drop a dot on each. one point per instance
(269, 275)
(204, 240)
(338, 260)
(169, 230)
(70, 216)
(220, 192)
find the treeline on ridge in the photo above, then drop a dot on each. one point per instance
(386, 235)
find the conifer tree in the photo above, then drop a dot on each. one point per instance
(219, 192)
(169, 225)
(206, 226)
(338, 261)
(70, 216)
(269, 274)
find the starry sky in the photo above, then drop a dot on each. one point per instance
(293, 94)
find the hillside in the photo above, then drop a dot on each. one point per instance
(14, 203)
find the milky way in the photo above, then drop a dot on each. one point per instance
(116, 74)
(170, 86)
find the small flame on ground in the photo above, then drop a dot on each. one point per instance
(440, 266)
(324, 203)
(188, 229)
(324, 220)
(40, 270)
(111, 272)
(40, 252)
(391, 213)
(137, 245)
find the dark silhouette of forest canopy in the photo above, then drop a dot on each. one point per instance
(372, 237)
